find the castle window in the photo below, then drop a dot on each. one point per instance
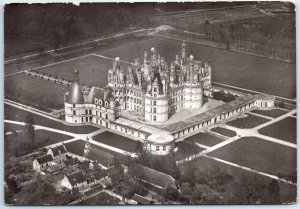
(96, 101)
(154, 102)
(164, 148)
(154, 117)
(73, 105)
(154, 89)
(157, 148)
(154, 110)
(74, 112)
(86, 112)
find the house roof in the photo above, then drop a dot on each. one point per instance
(59, 149)
(157, 178)
(75, 96)
(45, 159)
(76, 178)
(140, 199)
(95, 154)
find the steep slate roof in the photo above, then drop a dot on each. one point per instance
(75, 96)
(45, 159)
(61, 148)
(76, 178)
(102, 93)
(141, 200)
(157, 178)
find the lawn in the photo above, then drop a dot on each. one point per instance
(42, 138)
(100, 199)
(250, 121)
(93, 70)
(224, 131)
(274, 113)
(186, 149)
(225, 64)
(35, 92)
(261, 155)
(285, 129)
(13, 113)
(12, 127)
(117, 141)
(205, 139)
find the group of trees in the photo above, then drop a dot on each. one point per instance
(21, 142)
(206, 184)
(56, 25)
(224, 96)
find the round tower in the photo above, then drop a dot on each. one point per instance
(74, 103)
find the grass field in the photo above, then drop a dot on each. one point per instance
(261, 155)
(270, 113)
(285, 129)
(92, 70)
(204, 138)
(100, 199)
(250, 121)
(34, 91)
(117, 141)
(12, 113)
(42, 138)
(186, 149)
(12, 127)
(224, 131)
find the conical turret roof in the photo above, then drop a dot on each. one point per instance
(75, 95)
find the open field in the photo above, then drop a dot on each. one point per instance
(250, 121)
(240, 176)
(12, 113)
(223, 131)
(12, 127)
(270, 113)
(35, 92)
(42, 138)
(117, 141)
(100, 199)
(285, 129)
(204, 138)
(92, 70)
(261, 155)
(186, 149)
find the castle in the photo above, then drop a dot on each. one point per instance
(153, 89)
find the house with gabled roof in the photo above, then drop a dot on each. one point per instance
(74, 180)
(42, 163)
(58, 153)
(140, 200)
(156, 179)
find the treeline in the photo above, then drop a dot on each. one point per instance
(62, 24)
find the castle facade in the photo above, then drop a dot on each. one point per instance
(152, 89)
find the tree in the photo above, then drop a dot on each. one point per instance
(171, 194)
(30, 128)
(186, 190)
(274, 192)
